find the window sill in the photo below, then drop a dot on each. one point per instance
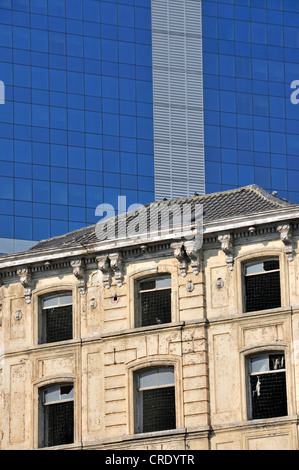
(265, 311)
(254, 424)
(248, 315)
(159, 434)
(72, 446)
(144, 329)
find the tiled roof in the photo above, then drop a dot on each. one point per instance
(248, 200)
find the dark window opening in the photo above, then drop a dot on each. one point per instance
(155, 400)
(59, 422)
(58, 415)
(268, 386)
(158, 409)
(57, 318)
(262, 285)
(154, 301)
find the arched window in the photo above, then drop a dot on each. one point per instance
(56, 314)
(267, 385)
(56, 415)
(153, 305)
(262, 285)
(155, 399)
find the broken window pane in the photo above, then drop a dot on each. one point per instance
(58, 415)
(155, 301)
(262, 285)
(57, 318)
(268, 387)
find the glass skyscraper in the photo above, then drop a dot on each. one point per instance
(141, 98)
(250, 60)
(76, 129)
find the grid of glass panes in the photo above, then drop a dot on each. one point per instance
(58, 415)
(76, 126)
(154, 305)
(155, 400)
(262, 285)
(250, 59)
(57, 318)
(268, 386)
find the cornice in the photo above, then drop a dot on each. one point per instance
(240, 229)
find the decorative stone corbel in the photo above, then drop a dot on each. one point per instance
(79, 271)
(286, 237)
(116, 264)
(181, 255)
(104, 267)
(193, 254)
(226, 241)
(26, 281)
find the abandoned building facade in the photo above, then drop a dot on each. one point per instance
(156, 343)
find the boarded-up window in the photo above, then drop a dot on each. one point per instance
(154, 301)
(155, 400)
(262, 285)
(267, 378)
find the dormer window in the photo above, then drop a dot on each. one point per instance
(262, 285)
(154, 301)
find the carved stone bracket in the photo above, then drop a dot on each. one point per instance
(226, 241)
(116, 264)
(181, 255)
(186, 253)
(111, 266)
(286, 237)
(26, 281)
(193, 254)
(78, 266)
(104, 267)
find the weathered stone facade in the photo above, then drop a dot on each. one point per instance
(208, 340)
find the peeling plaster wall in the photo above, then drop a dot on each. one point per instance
(207, 343)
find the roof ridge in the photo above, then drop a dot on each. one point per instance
(268, 196)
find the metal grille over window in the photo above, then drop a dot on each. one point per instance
(154, 301)
(156, 400)
(58, 415)
(262, 285)
(57, 318)
(268, 386)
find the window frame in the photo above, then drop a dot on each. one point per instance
(42, 439)
(137, 296)
(256, 254)
(244, 275)
(138, 406)
(261, 353)
(153, 270)
(38, 298)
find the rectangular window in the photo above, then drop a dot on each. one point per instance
(267, 377)
(154, 306)
(262, 285)
(155, 400)
(57, 318)
(58, 415)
